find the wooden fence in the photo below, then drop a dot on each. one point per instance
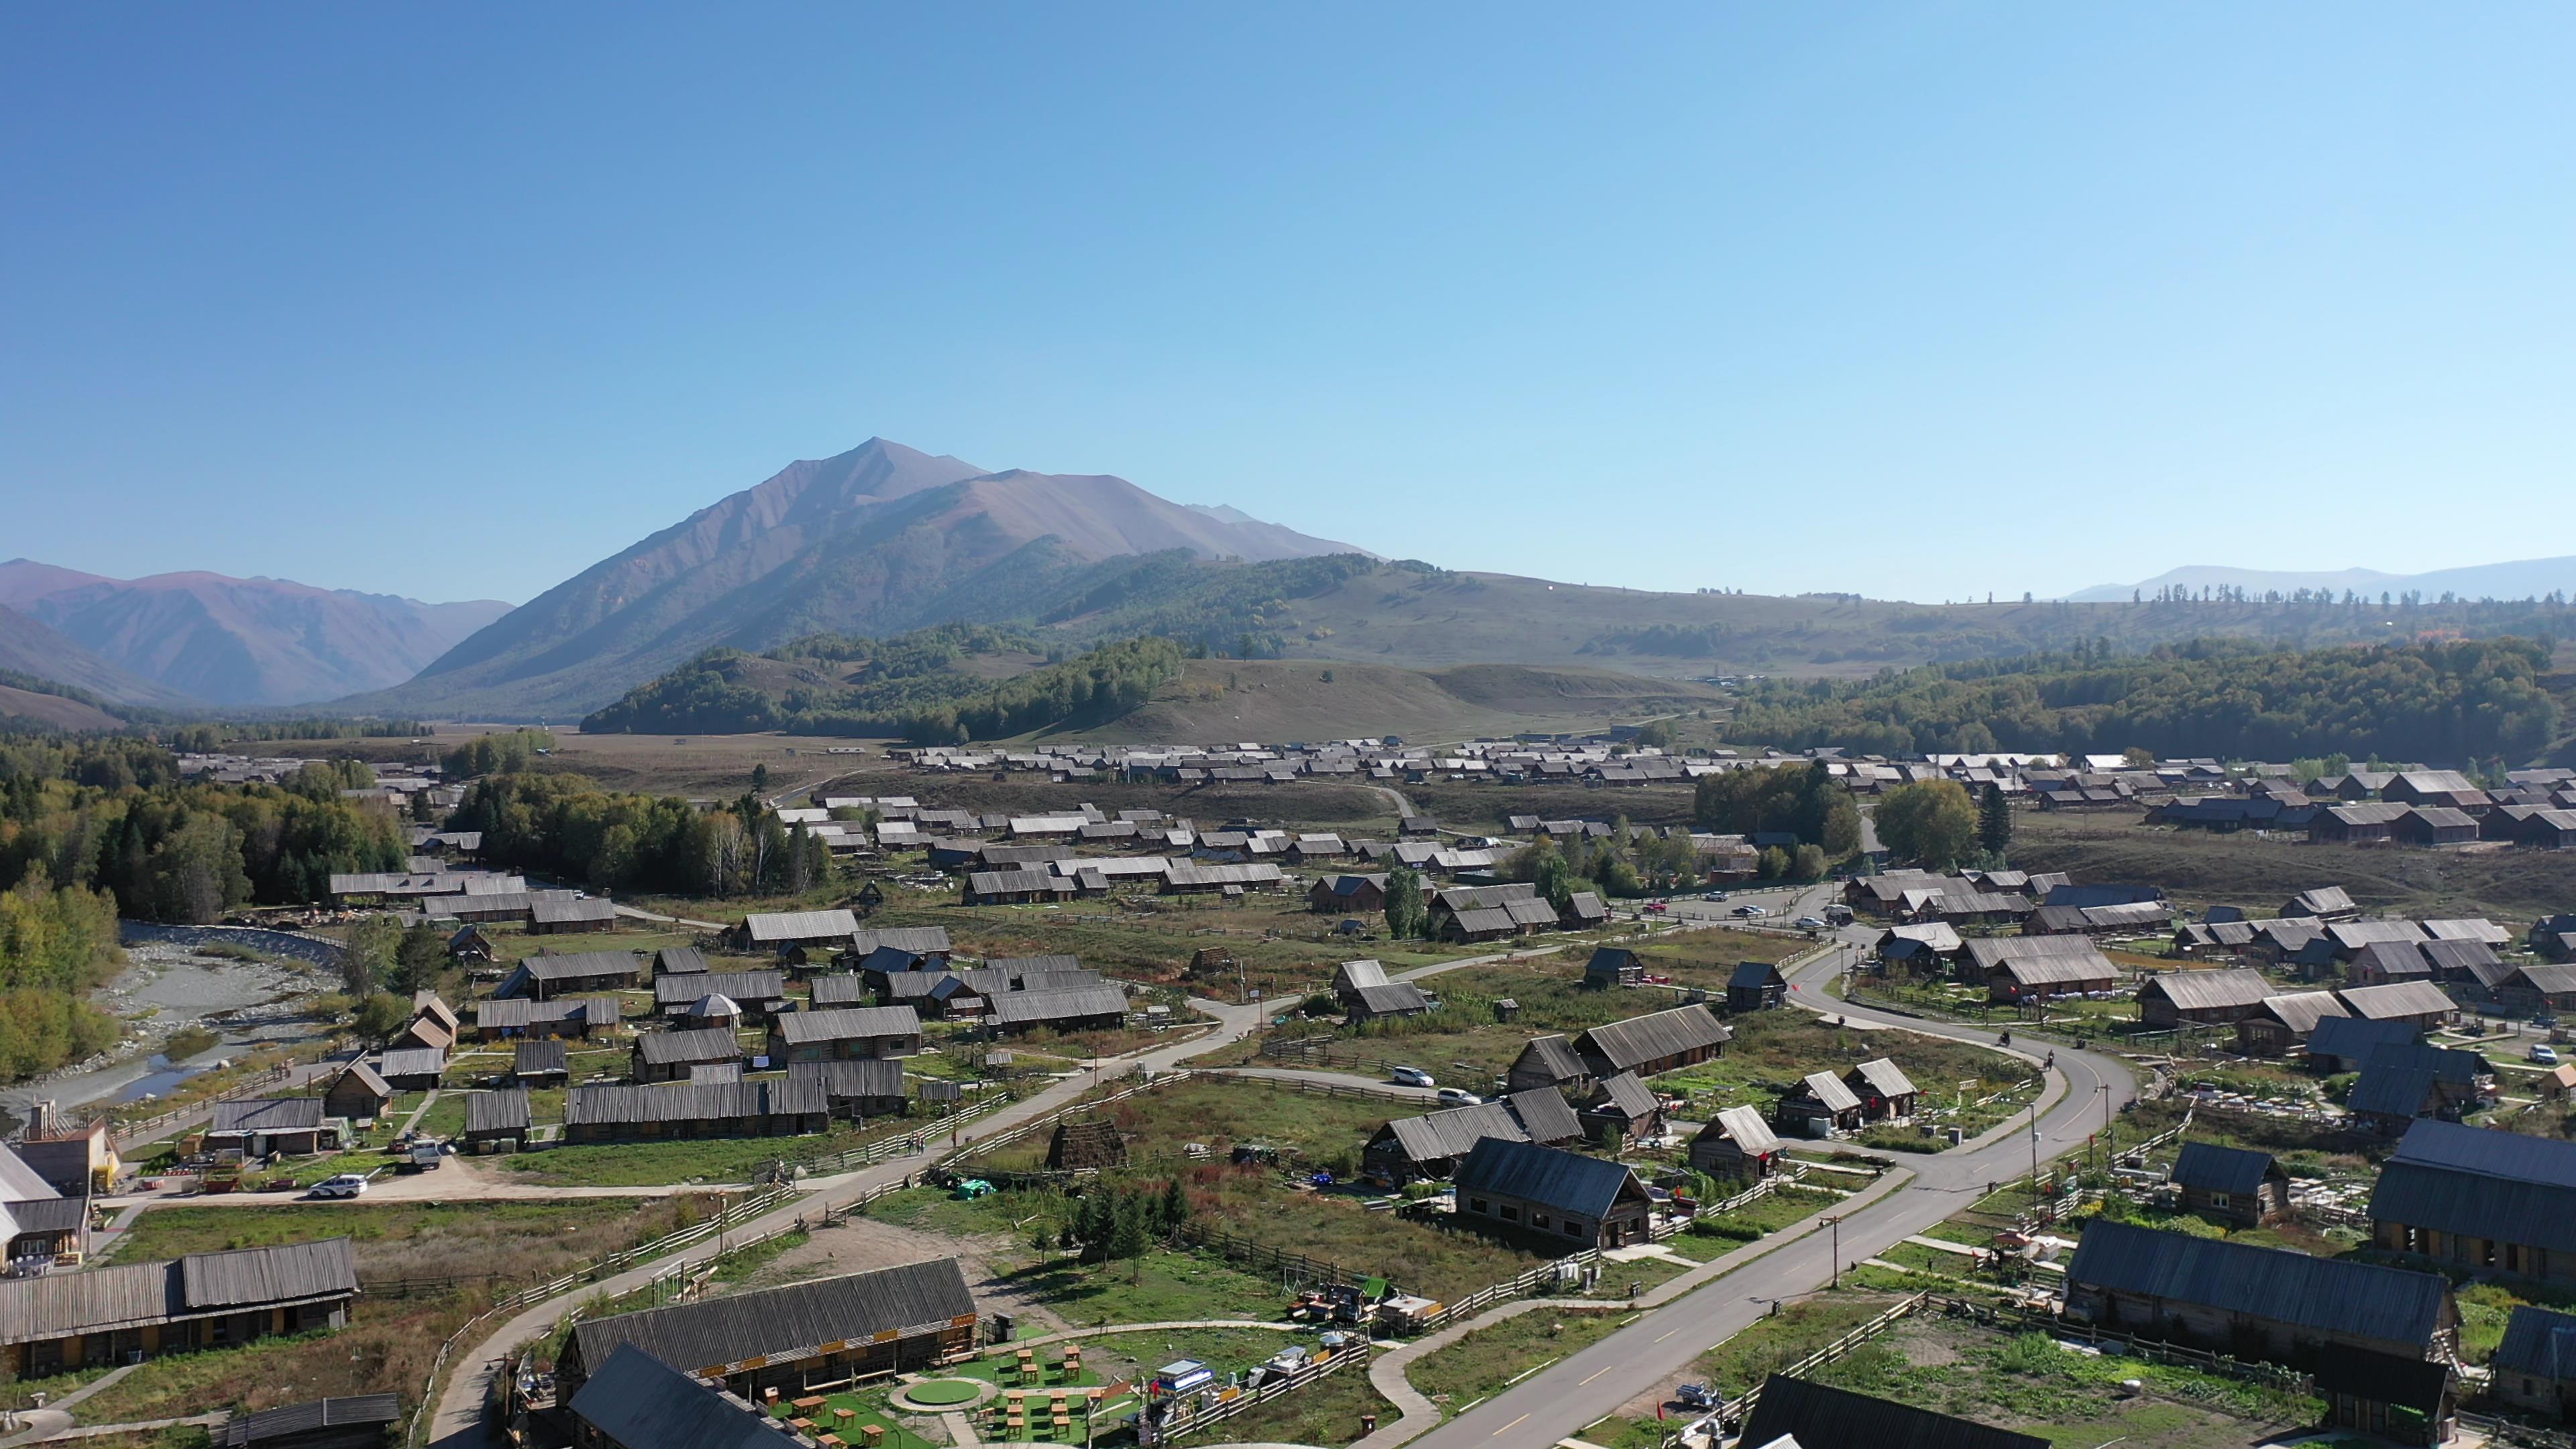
(1294, 1380)
(898, 1146)
(125, 1132)
(610, 1264)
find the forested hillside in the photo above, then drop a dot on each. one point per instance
(2448, 701)
(933, 686)
(101, 827)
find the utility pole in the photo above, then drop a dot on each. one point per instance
(1836, 1223)
(2034, 1154)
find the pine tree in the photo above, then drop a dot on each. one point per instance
(1994, 822)
(1176, 1206)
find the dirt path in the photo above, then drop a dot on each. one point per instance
(862, 1244)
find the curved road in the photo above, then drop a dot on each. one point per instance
(1559, 1402)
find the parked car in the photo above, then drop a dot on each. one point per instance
(1656, 908)
(347, 1184)
(1459, 1097)
(1410, 1077)
(2546, 1056)
(1714, 896)
(1810, 923)
(1750, 912)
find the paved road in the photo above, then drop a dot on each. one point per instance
(1560, 1401)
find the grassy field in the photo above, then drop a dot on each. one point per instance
(2199, 869)
(1219, 1112)
(1325, 1413)
(710, 1159)
(1270, 1205)
(2029, 1383)
(1483, 1363)
(505, 1240)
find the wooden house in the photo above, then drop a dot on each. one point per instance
(1386, 1001)
(1821, 1105)
(1547, 1195)
(860, 1088)
(2263, 1303)
(1079, 1008)
(843, 1034)
(1737, 1143)
(1348, 895)
(1658, 1042)
(2280, 1024)
(259, 1126)
(1885, 1092)
(2479, 1200)
(1756, 986)
(2232, 1184)
(2201, 998)
(118, 1314)
(665, 1056)
(857, 1326)
(1815, 1416)
(412, 1069)
(1614, 966)
(1548, 1061)
(545, 978)
(2534, 1368)
(1620, 1111)
(766, 1108)
(762, 995)
(358, 1093)
(540, 1063)
(497, 1121)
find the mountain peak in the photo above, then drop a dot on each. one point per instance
(880, 538)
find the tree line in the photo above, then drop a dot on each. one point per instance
(98, 827)
(566, 827)
(2441, 700)
(909, 688)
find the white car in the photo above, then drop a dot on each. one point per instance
(2546, 1056)
(1750, 912)
(1810, 923)
(347, 1184)
(1459, 1097)
(1410, 1077)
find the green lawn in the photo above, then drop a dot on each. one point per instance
(696, 1159)
(1325, 1413)
(1487, 1361)
(504, 1239)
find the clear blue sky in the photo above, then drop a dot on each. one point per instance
(1918, 300)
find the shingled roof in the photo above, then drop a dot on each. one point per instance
(2501, 1186)
(1453, 1133)
(714, 1332)
(1567, 1181)
(1815, 1416)
(638, 1401)
(1626, 1045)
(2212, 1168)
(2334, 1295)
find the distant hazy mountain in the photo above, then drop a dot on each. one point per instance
(241, 641)
(29, 646)
(877, 540)
(2527, 579)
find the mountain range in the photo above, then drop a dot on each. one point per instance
(886, 539)
(882, 538)
(175, 637)
(2524, 579)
